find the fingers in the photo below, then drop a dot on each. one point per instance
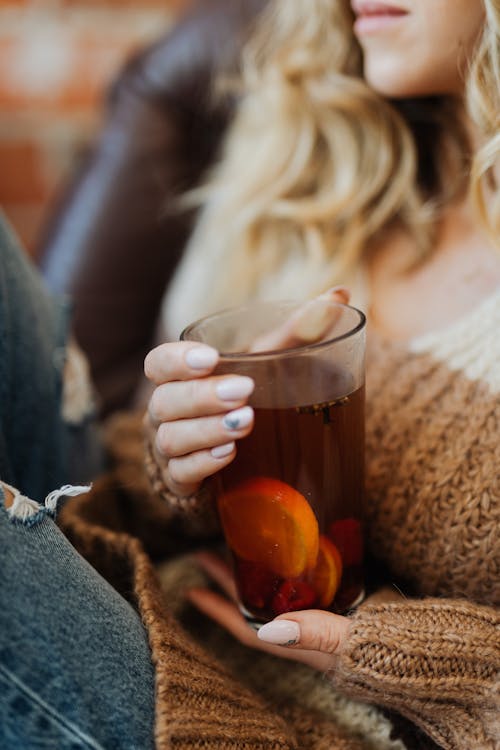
(311, 322)
(184, 475)
(311, 630)
(337, 294)
(179, 360)
(178, 438)
(316, 318)
(194, 418)
(312, 637)
(219, 571)
(228, 616)
(197, 448)
(199, 397)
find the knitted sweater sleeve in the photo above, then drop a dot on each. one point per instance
(435, 661)
(134, 465)
(196, 514)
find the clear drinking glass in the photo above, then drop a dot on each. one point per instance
(291, 502)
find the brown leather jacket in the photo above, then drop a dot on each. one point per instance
(112, 243)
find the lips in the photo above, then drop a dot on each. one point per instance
(376, 17)
(366, 8)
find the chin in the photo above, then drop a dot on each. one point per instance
(389, 82)
(393, 90)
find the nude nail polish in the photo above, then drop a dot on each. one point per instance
(280, 632)
(221, 451)
(234, 389)
(201, 357)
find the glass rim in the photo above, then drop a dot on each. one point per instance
(269, 353)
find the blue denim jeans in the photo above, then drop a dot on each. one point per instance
(75, 667)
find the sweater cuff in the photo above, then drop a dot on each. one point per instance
(197, 512)
(426, 659)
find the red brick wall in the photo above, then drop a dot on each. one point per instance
(56, 59)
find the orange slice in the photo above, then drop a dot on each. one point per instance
(325, 578)
(269, 522)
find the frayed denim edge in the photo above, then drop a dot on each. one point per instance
(28, 512)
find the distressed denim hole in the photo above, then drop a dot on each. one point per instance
(22, 510)
(28, 512)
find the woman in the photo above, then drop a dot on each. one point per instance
(340, 185)
(365, 151)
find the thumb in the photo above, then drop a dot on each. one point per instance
(312, 630)
(310, 322)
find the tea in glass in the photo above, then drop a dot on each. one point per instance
(291, 501)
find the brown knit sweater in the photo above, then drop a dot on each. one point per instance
(433, 510)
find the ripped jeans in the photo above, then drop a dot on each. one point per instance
(75, 667)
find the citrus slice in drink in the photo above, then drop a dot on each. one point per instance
(269, 522)
(325, 577)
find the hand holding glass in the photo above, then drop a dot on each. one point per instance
(291, 501)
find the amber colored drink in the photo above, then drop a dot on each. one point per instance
(317, 450)
(291, 501)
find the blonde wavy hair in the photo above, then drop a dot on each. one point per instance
(317, 167)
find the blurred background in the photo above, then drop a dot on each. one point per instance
(57, 58)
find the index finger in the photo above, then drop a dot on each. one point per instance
(179, 360)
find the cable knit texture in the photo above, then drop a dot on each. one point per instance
(433, 512)
(436, 662)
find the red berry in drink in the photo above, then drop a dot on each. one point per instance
(256, 584)
(293, 595)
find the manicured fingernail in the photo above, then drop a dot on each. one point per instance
(221, 451)
(201, 357)
(234, 389)
(237, 420)
(280, 632)
(340, 291)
